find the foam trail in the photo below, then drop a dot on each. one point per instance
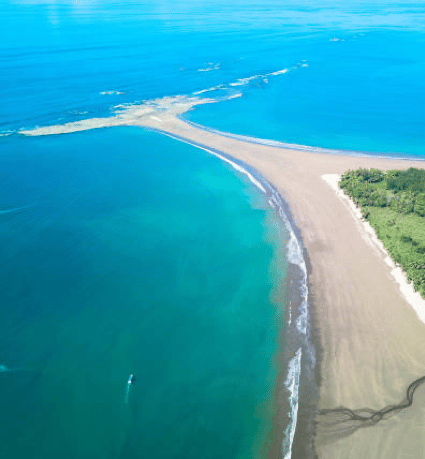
(127, 393)
(5, 369)
(8, 211)
(292, 383)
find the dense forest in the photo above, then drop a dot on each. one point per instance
(394, 204)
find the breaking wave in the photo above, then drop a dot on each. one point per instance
(292, 383)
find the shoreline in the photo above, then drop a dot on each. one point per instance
(298, 147)
(368, 355)
(297, 350)
(370, 339)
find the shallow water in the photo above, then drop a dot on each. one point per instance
(356, 80)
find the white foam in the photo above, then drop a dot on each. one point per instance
(292, 383)
(133, 113)
(137, 112)
(238, 83)
(279, 72)
(244, 81)
(295, 256)
(234, 96)
(110, 93)
(239, 168)
(76, 112)
(370, 237)
(210, 68)
(214, 88)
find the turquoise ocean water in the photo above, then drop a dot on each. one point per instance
(119, 257)
(124, 251)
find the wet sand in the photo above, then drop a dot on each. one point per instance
(371, 343)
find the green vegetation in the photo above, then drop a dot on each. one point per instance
(394, 204)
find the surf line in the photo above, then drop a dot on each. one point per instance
(340, 419)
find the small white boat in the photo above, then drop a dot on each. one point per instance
(131, 379)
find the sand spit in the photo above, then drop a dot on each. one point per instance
(371, 344)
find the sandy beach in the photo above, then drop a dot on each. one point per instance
(371, 340)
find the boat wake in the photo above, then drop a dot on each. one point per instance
(8, 211)
(5, 369)
(127, 392)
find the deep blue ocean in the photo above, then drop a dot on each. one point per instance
(123, 251)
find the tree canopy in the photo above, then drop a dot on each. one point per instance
(394, 204)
